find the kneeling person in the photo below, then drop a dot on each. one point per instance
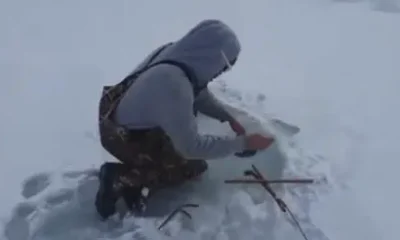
(147, 121)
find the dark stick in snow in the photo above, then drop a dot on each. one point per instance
(305, 181)
(282, 205)
(179, 209)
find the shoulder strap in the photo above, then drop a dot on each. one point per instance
(127, 81)
(186, 69)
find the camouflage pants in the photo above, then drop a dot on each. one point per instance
(150, 159)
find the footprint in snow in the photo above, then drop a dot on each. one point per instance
(35, 184)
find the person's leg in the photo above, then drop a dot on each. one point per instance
(161, 177)
(153, 165)
(118, 180)
(165, 168)
(116, 177)
(182, 171)
(173, 168)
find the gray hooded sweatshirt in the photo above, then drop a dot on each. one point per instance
(163, 96)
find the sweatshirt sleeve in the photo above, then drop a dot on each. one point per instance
(176, 118)
(207, 104)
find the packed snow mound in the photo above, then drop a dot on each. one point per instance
(60, 205)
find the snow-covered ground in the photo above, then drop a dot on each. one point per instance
(330, 68)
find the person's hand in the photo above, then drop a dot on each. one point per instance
(237, 127)
(253, 143)
(258, 142)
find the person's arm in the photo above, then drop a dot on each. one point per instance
(176, 118)
(209, 105)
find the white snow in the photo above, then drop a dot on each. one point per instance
(328, 67)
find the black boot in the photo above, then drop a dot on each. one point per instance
(136, 198)
(119, 181)
(109, 191)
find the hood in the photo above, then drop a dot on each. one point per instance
(204, 49)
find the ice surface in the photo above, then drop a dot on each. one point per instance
(63, 208)
(322, 76)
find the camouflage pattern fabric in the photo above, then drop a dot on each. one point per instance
(149, 157)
